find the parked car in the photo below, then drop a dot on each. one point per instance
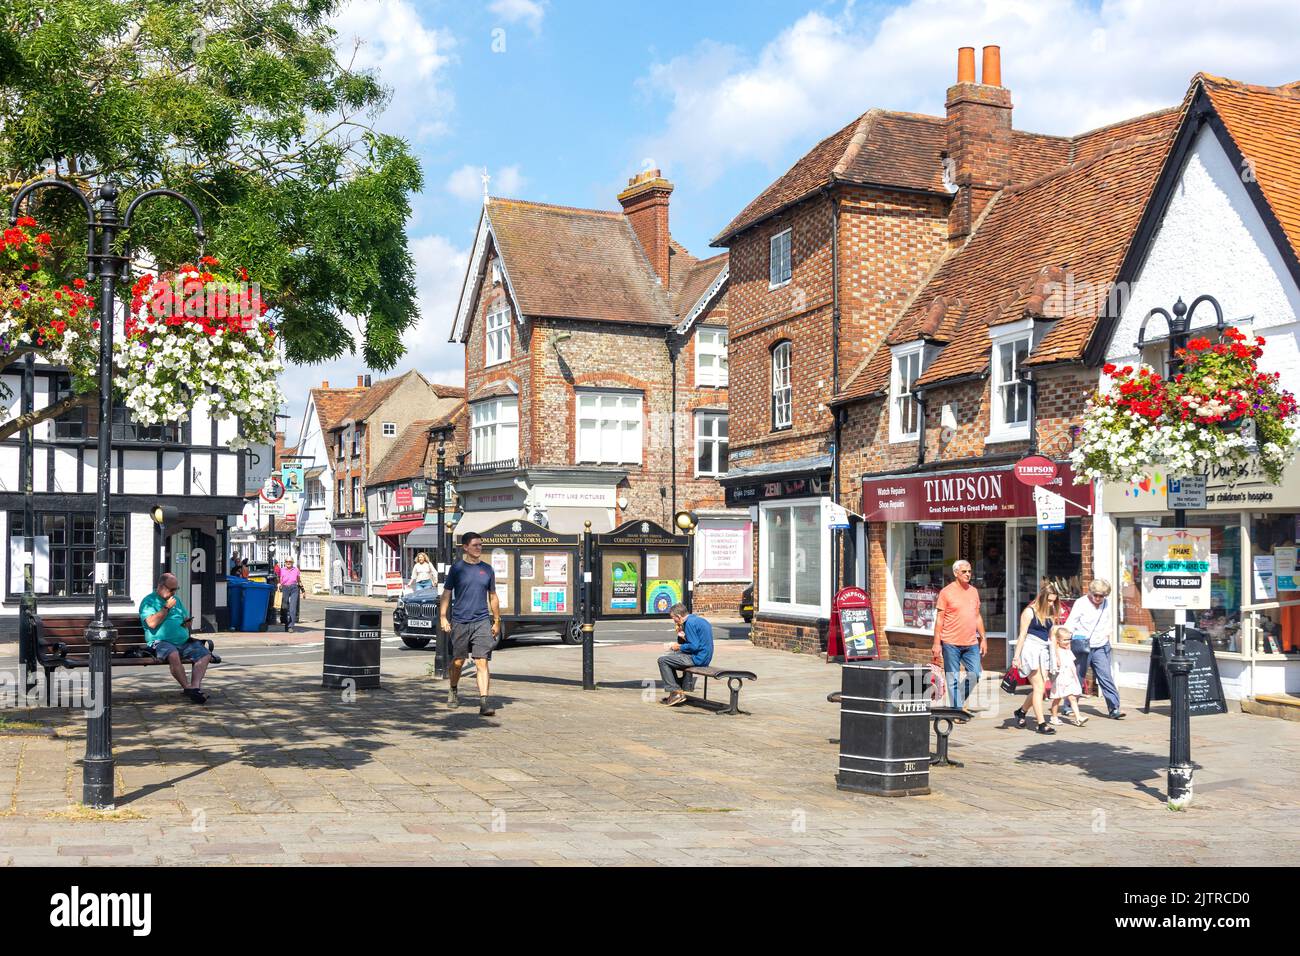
(747, 605)
(415, 621)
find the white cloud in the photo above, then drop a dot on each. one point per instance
(1071, 65)
(440, 269)
(515, 11)
(466, 183)
(409, 56)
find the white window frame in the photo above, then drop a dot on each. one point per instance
(494, 430)
(309, 554)
(604, 407)
(905, 358)
(782, 385)
(780, 261)
(765, 602)
(356, 441)
(715, 346)
(357, 499)
(714, 439)
(1003, 336)
(315, 493)
(390, 429)
(497, 335)
(342, 496)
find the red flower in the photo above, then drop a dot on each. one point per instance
(26, 221)
(1109, 368)
(43, 238)
(79, 283)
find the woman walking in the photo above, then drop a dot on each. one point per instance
(289, 587)
(1033, 655)
(422, 574)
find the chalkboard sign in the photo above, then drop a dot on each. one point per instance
(1204, 686)
(859, 631)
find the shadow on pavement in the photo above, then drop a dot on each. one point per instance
(1108, 763)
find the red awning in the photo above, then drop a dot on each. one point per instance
(395, 528)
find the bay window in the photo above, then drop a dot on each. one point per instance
(609, 428)
(494, 430)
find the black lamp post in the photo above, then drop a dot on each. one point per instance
(1179, 786)
(442, 648)
(103, 225)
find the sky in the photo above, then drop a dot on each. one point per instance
(563, 100)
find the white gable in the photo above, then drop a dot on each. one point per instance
(1213, 241)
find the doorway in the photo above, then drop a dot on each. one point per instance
(1038, 557)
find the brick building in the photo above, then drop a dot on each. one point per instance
(904, 330)
(597, 379)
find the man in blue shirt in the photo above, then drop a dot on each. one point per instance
(470, 594)
(694, 649)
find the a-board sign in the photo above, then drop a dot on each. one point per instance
(1204, 686)
(859, 630)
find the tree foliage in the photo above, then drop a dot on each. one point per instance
(248, 108)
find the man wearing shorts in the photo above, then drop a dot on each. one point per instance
(166, 631)
(475, 619)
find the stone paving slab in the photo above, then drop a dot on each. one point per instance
(277, 770)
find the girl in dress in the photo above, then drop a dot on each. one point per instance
(1065, 677)
(1033, 654)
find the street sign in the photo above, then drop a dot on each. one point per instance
(1187, 493)
(273, 491)
(839, 517)
(1035, 470)
(1176, 568)
(1050, 508)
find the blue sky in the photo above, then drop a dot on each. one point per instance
(563, 100)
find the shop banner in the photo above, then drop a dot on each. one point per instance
(1176, 568)
(977, 495)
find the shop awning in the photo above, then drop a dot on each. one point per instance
(395, 528)
(425, 536)
(572, 520)
(482, 520)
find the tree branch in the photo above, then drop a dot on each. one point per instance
(31, 419)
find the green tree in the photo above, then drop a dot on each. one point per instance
(250, 109)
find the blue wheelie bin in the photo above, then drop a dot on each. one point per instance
(235, 601)
(257, 597)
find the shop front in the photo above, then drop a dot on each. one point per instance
(921, 523)
(349, 564)
(1253, 622)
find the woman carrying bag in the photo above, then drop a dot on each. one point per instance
(1033, 651)
(422, 574)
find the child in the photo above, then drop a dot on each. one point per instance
(1065, 676)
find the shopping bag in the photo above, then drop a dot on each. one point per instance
(1012, 679)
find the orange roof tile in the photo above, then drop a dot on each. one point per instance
(696, 282)
(332, 404)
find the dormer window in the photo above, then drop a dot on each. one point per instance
(904, 411)
(1009, 398)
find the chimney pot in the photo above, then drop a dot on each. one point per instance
(325, 383)
(992, 72)
(361, 380)
(966, 64)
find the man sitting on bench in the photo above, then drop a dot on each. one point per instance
(166, 631)
(695, 649)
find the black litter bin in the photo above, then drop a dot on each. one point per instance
(884, 729)
(351, 647)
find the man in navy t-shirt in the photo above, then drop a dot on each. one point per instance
(470, 593)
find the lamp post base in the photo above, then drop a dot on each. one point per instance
(97, 783)
(1180, 732)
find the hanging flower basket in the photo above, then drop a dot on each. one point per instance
(1143, 421)
(200, 332)
(37, 311)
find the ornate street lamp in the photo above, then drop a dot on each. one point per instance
(103, 226)
(442, 434)
(1179, 786)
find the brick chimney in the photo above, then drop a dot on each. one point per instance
(979, 138)
(361, 381)
(645, 203)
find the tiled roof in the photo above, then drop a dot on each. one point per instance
(1079, 220)
(696, 282)
(371, 398)
(332, 404)
(880, 147)
(1264, 121)
(494, 390)
(411, 450)
(576, 263)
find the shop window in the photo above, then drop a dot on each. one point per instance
(1275, 583)
(70, 543)
(1221, 622)
(795, 549)
(921, 559)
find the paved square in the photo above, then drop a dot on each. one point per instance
(278, 770)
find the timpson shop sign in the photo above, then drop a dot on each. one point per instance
(991, 494)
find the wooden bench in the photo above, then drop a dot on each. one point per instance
(735, 681)
(944, 718)
(61, 642)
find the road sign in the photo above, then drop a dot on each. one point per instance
(272, 490)
(1187, 493)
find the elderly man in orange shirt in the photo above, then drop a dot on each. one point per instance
(959, 639)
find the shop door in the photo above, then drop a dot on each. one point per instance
(1026, 575)
(180, 566)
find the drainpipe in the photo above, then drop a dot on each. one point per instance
(918, 396)
(837, 537)
(672, 421)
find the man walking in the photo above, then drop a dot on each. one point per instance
(290, 586)
(475, 620)
(1090, 628)
(959, 639)
(695, 649)
(166, 631)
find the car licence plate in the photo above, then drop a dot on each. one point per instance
(427, 625)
